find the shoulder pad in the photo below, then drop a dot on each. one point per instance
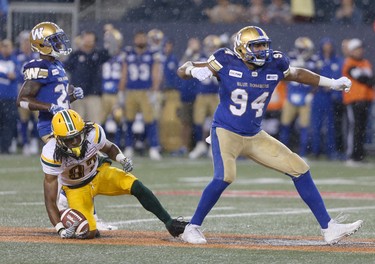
(35, 69)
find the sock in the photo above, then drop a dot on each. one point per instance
(152, 134)
(150, 202)
(210, 196)
(311, 196)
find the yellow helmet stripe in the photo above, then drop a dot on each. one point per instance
(68, 121)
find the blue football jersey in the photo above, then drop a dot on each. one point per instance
(54, 81)
(244, 93)
(111, 74)
(139, 75)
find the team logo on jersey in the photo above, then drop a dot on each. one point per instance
(37, 33)
(254, 74)
(35, 73)
(236, 74)
(55, 72)
(272, 77)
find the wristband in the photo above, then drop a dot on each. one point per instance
(59, 227)
(24, 105)
(326, 82)
(120, 157)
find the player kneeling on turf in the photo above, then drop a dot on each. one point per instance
(72, 158)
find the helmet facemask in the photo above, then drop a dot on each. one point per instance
(259, 57)
(59, 43)
(72, 145)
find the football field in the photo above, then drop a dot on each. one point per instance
(259, 219)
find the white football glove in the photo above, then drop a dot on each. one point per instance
(70, 231)
(127, 164)
(78, 93)
(55, 108)
(342, 84)
(201, 73)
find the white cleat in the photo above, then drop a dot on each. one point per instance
(193, 235)
(34, 146)
(199, 150)
(102, 226)
(336, 231)
(154, 153)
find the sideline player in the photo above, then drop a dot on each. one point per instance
(248, 76)
(72, 158)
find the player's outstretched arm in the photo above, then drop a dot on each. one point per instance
(305, 76)
(198, 70)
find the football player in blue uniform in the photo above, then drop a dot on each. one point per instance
(247, 77)
(299, 95)
(111, 75)
(206, 101)
(140, 80)
(46, 87)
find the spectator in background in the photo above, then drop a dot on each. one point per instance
(299, 96)
(8, 95)
(278, 12)
(302, 11)
(24, 54)
(255, 13)
(225, 12)
(358, 100)
(324, 105)
(348, 13)
(85, 66)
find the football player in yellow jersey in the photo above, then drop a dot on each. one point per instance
(72, 157)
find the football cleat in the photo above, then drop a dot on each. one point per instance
(193, 235)
(337, 231)
(199, 150)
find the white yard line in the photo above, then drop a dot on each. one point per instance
(288, 212)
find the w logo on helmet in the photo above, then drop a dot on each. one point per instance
(37, 33)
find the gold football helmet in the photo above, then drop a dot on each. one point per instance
(155, 38)
(47, 38)
(304, 47)
(113, 41)
(68, 129)
(211, 43)
(244, 43)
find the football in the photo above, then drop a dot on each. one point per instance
(70, 216)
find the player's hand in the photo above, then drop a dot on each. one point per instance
(342, 84)
(201, 73)
(55, 108)
(127, 164)
(69, 232)
(78, 93)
